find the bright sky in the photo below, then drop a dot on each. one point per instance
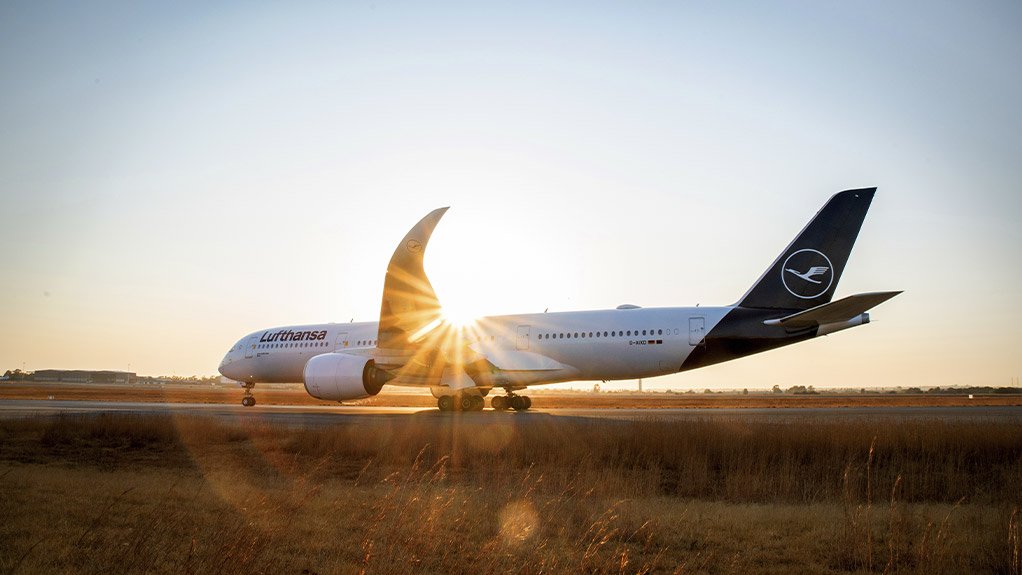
(174, 176)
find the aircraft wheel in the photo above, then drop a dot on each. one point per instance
(467, 402)
(248, 401)
(527, 401)
(518, 403)
(499, 403)
(478, 403)
(445, 403)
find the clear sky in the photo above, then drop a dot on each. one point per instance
(175, 175)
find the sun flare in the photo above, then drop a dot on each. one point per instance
(459, 317)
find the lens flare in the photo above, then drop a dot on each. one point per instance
(459, 317)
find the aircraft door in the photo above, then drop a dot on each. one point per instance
(250, 346)
(523, 337)
(696, 330)
(342, 341)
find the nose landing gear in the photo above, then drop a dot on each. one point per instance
(249, 399)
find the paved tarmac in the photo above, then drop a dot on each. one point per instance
(305, 415)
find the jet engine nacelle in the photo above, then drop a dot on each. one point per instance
(342, 376)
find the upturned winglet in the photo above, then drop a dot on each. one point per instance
(409, 304)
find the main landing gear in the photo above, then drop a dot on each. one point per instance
(467, 402)
(511, 401)
(461, 402)
(249, 399)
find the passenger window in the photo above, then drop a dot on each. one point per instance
(660, 332)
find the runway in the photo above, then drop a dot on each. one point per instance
(299, 416)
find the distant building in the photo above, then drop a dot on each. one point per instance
(84, 376)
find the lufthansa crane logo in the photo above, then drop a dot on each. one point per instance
(414, 246)
(807, 274)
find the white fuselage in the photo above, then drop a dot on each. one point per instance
(586, 345)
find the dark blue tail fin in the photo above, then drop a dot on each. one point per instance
(807, 271)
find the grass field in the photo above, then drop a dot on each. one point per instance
(129, 493)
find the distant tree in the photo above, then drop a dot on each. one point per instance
(811, 390)
(745, 392)
(776, 389)
(707, 391)
(797, 390)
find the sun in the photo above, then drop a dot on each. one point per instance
(457, 316)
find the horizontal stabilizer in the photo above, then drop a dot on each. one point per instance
(834, 312)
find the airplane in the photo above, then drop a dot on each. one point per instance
(412, 344)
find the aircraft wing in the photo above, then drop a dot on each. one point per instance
(410, 312)
(834, 312)
(416, 345)
(517, 360)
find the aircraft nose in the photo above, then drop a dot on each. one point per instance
(228, 367)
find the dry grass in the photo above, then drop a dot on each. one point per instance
(122, 493)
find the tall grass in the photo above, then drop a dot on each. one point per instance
(734, 461)
(525, 494)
